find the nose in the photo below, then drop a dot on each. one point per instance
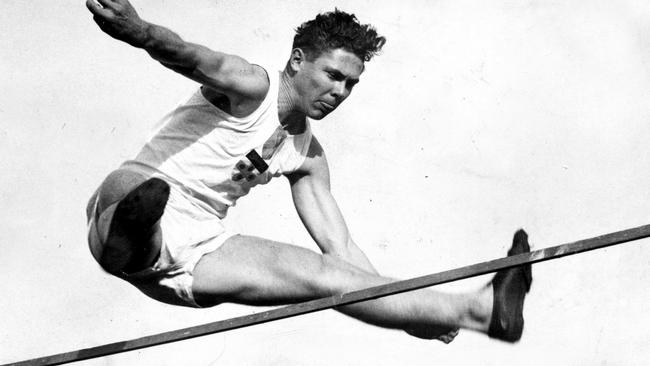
(339, 91)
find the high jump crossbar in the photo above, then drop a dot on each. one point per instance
(474, 270)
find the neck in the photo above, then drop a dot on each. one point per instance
(288, 113)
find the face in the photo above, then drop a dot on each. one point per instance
(325, 82)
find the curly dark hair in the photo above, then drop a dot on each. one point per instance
(338, 29)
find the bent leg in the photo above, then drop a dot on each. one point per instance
(255, 271)
(127, 212)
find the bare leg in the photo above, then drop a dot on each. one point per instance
(352, 254)
(128, 209)
(257, 271)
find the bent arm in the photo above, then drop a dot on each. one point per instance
(317, 208)
(225, 73)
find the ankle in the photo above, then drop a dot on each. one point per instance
(479, 309)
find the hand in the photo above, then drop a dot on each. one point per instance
(118, 19)
(443, 334)
(448, 337)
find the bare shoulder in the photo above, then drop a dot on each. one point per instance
(246, 78)
(235, 77)
(315, 163)
(238, 87)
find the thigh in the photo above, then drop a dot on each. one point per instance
(255, 271)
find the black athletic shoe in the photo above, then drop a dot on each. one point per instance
(128, 245)
(510, 287)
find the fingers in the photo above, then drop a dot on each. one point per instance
(105, 3)
(102, 12)
(96, 9)
(100, 7)
(447, 338)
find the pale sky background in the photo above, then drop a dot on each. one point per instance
(479, 117)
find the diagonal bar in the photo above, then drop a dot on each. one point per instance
(474, 270)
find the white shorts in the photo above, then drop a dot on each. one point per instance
(188, 233)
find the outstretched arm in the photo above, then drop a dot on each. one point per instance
(310, 188)
(228, 74)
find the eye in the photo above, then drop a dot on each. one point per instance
(350, 84)
(335, 75)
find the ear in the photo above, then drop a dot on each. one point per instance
(297, 59)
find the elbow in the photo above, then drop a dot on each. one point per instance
(340, 248)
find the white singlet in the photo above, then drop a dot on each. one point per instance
(210, 159)
(203, 149)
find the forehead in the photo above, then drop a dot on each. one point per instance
(340, 60)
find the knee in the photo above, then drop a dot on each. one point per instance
(116, 186)
(90, 207)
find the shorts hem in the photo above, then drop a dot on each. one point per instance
(209, 246)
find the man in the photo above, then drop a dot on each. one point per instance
(156, 221)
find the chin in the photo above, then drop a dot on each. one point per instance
(317, 114)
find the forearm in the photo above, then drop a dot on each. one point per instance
(119, 20)
(323, 219)
(319, 212)
(162, 44)
(355, 256)
(171, 50)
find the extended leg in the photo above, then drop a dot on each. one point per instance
(256, 271)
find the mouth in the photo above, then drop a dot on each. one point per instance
(326, 107)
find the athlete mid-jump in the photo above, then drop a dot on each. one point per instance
(156, 220)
